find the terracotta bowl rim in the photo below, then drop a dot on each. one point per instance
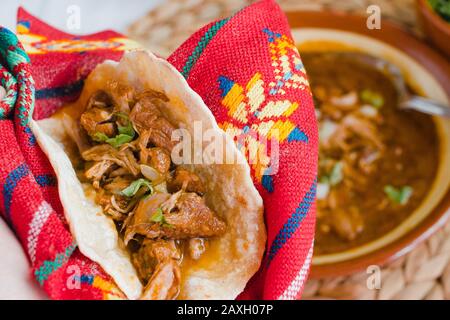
(434, 17)
(439, 215)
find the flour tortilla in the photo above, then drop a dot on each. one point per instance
(237, 255)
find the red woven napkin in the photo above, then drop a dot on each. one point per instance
(247, 70)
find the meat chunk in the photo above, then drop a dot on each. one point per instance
(76, 133)
(164, 283)
(157, 265)
(348, 224)
(141, 220)
(152, 253)
(100, 99)
(102, 152)
(93, 121)
(130, 162)
(187, 180)
(144, 114)
(109, 129)
(117, 184)
(96, 171)
(146, 117)
(156, 96)
(192, 218)
(364, 128)
(114, 206)
(123, 157)
(149, 102)
(122, 96)
(161, 134)
(189, 218)
(158, 158)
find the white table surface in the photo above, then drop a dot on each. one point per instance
(95, 15)
(15, 276)
(16, 280)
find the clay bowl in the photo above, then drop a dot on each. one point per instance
(426, 72)
(436, 28)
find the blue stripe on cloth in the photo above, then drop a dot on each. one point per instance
(56, 92)
(31, 137)
(45, 180)
(267, 183)
(11, 182)
(293, 223)
(85, 278)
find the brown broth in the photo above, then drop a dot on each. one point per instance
(413, 133)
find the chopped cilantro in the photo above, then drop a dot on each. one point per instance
(126, 133)
(398, 195)
(128, 128)
(119, 140)
(134, 187)
(373, 98)
(100, 137)
(158, 217)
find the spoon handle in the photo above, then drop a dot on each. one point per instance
(426, 105)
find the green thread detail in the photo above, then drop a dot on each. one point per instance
(16, 57)
(11, 95)
(12, 57)
(48, 266)
(18, 62)
(25, 108)
(201, 45)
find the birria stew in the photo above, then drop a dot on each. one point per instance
(376, 162)
(124, 146)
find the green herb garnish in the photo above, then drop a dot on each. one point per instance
(158, 217)
(126, 133)
(336, 174)
(116, 142)
(119, 140)
(134, 187)
(128, 128)
(373, 98)
(441, 7)
(100, 137)
(398, 195)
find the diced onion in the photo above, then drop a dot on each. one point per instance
(346, 100)
(150, 173)
(322, 190)
(318, 113)
(368, 111)
(327, 128)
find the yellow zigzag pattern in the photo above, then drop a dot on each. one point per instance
(287, 65)
(256, 108)
(108, 289)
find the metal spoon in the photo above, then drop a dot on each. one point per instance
(406, 99)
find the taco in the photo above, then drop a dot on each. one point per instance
(160, 229)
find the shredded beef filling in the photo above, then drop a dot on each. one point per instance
(159, 208)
